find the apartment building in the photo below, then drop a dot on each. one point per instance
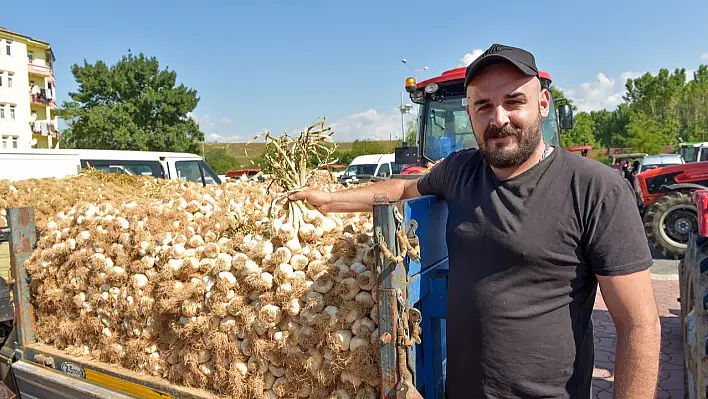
(27, 93)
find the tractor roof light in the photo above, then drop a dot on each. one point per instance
(700, 198)
(411, 85)
(431, 88)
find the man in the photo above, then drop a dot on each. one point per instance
(531, 231)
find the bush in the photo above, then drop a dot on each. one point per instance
(221, 160)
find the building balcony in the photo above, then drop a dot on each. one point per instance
(44, 98)
(45, 128)
(40, 70)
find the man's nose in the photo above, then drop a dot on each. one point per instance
(500, 117)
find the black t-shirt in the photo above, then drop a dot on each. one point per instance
(524, 255)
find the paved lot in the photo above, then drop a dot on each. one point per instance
(666, 289)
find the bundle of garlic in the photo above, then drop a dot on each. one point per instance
(215, 288)
(288, 158)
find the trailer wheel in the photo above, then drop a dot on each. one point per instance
(668, 222)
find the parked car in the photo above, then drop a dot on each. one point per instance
(617, 160)
(659, 160)
(40, 163)
(366, 168)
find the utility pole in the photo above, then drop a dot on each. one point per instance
(405, 109)
(403, 129)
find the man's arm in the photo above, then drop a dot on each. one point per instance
(632, 306)
(617, 250)
(359, 199)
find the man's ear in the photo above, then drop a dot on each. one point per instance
(544, 102)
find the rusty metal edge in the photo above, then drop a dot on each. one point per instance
(23, 240)
(388, 313)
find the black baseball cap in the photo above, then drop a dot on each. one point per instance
(520, 58)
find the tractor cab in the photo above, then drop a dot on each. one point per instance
(693, 152)
(443, 124)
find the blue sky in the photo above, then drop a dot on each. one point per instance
(281, 64)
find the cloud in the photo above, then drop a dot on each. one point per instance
(207, 122)
(370, 124)
(631, 75)
(704, 56)
(598, 94)
(606, 92)
(215, 129)
(469, 57)
(689, 74)
(567, 92)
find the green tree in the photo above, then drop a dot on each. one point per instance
(412, 133)
(582, 133)
(221, 160)
(645, 134)
(132, 105)
(610, 126)
(366, 147)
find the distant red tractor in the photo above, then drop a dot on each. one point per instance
(664, 196)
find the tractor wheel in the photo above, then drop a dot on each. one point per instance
(668, 222)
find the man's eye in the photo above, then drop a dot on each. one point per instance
(484, 107)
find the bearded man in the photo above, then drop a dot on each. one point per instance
(532, 231)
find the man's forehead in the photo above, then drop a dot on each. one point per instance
(500, 80)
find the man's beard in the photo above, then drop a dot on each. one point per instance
(500, 156)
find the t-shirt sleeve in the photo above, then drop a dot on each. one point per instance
(615, 241)
(435, 181)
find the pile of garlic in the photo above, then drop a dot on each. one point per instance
(203, 289)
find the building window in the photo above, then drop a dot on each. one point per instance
(2, 112)
(8, 142)
(12, 112)
(30, 56)
(0, 79)
(8, 47)
(9, 80)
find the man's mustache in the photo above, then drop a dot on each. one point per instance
(494, 132)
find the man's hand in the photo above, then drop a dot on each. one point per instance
(632, 305)
(316, 198)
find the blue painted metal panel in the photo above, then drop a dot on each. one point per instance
(431, 215)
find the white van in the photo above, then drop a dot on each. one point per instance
(369, 167)
(659, 161)
(39, 163)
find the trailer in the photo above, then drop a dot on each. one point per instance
(413, 265)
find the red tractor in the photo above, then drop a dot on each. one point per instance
(444, 127)
(664, 196)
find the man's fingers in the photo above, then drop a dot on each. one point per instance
(300, 195)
